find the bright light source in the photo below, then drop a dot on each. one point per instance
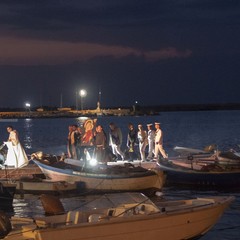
(83, 93)
(93, 162)
(28, 105)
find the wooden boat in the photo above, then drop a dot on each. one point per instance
(136, 163)
(30, 171)
(7, 191)
(103, 178)
(125, 216)
(212, 176)
(197, 159)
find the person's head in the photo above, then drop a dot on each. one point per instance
(149, 126)
(9, 128)
(157, 125)
(88, 125)
(112, 126)
(99, 128)
(74, 127)
(130, 126)
(140, 126)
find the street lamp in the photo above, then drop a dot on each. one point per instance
(83, 94)
(27, 105)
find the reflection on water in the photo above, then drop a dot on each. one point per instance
(27, 140)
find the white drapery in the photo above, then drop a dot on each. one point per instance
(16, 155)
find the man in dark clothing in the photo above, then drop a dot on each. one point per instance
(131, 142)
(100, 142)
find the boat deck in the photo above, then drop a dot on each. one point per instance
(17, 173)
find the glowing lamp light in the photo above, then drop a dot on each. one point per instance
(28, 105)
(83, 93)
(93, 162)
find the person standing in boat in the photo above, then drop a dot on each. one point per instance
(100, 142)
(143, 141)
(131, 141)
(78, 140)
(115, 140)
(16, 155)
(151, 138)
(70, 144)
(159, 142)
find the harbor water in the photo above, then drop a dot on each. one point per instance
(186, 129)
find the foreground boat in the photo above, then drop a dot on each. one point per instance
(106, 178)
(212, 176)
(125, 216)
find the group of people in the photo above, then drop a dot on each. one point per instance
(141, 144)
(143, 138)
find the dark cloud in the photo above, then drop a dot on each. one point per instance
(157, 51)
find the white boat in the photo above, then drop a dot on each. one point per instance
(136, 163)
(130, 216)
(200, 159)
(106, 178)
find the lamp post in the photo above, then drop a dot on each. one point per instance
(76, 101)
(28, 105)
(83, 94)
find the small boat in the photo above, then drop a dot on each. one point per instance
(210, 176)
(136, 163)
(104, 178)
(125, 216)
(7, 191)
(190, 151)
(197, 159)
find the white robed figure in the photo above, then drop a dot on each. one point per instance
(16, 155)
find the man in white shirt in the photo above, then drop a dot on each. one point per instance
(159, 142)
(151, 138)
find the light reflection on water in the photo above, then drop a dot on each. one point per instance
(27, 140)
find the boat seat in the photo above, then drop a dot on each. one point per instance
(96, 217)
(50, 220)
(75, 217)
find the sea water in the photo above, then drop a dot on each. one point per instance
(195, 129)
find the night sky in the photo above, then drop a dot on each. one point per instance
(151, 51)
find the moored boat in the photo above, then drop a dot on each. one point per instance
(211, 176)
(105, 178)
(196, 159)
(125, 216)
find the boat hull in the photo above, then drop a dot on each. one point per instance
(107, 182)
(185, 224)
(213, 179)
